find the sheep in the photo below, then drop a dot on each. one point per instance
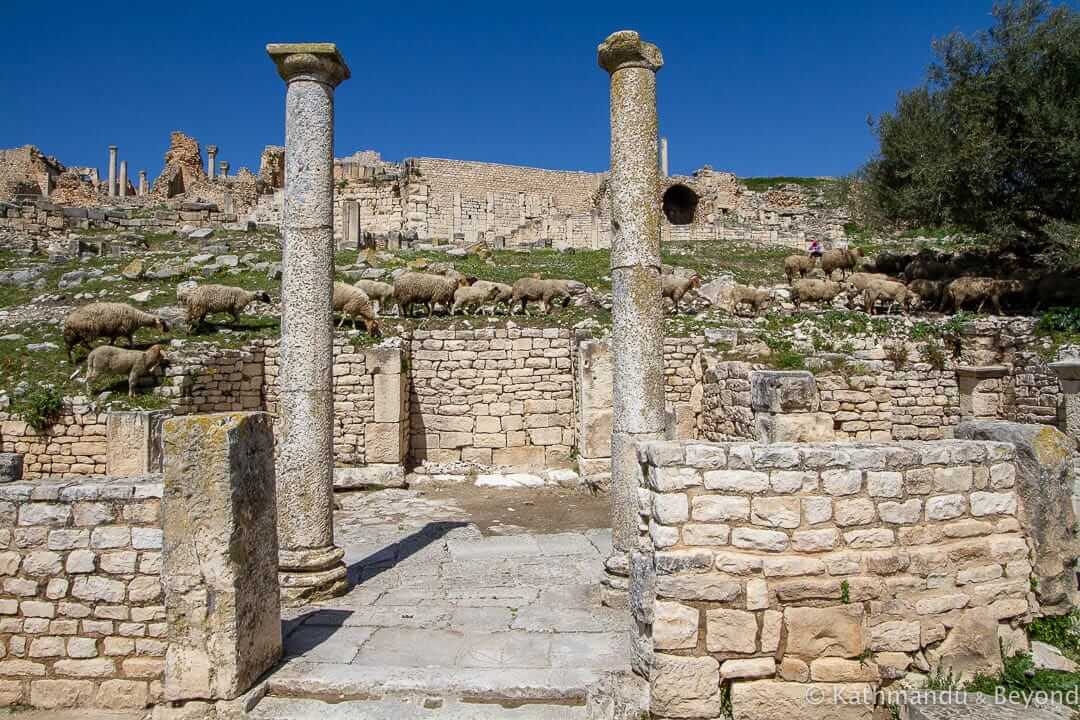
(503, 293)
(856, 284)
(929, 291)
(926, 266)
(411, 288)
(674, 287)
(381, 294)
(801, 265)
(814, 291)
(209, 299)
(109, 360)
(352, 302)
(969, 289)
(107, 320)
(542, 291)
(473, 296)
(890, 290)
(755, 297)
(842, 259)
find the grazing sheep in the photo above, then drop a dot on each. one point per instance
(890, 263)
(966, 290)
(473, 297)
(857, 282)
(413, 288)
(352, 302)
(894, 292)
(381, 294)
(801, 265)
(843, 259)
(675, 287)
(503, 293)
(108, 360)
(756, 298)
(209, 299)
(814, 291)
(929, 291)
(542, 291)
(107, 320)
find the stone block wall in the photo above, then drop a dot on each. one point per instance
(776, 574)
(75, 445)
(205, 379)
(492, 397)
(725, 413)
(82, 622)
(918, 404)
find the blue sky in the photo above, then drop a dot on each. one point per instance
(779, 88)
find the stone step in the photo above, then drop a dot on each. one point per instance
(337, 682)
(274, 708)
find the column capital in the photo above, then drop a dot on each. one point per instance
(626, 49)
(321, 62)
(112, 148)
(212, 149)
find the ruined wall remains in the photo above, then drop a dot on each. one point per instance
(206, 379)
(82, 623)
(784, 570)
(76, 445)
(726, 413)
(27, 171)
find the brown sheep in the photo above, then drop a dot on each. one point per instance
(801, 265)
(967, 290)
(929, 291)
(352, 302)
(894, 292)
(107, 320)
(106, 360)
(675, 287)
(414, 288)
(542, 291)
(381, 294)
(756, 298)
(814, 291)
(843, 259)
(209, 299)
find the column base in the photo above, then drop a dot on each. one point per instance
(615, 586)
(307, 575)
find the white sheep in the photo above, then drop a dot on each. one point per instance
(109, 360)
(473, 296)
(208, 299)
(354, 303)
(107, 320)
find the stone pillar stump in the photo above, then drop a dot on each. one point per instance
(983, 391)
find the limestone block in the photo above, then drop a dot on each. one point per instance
(783, 391)
(391, 395)
(748, 669)
(685, 687)
(594, 395)
(776, 700)
(369, 476)
(220, 561)
(11, 467)
(674, 626)
(384, 442)
(134, 442)
(824, 632)
(730, 631)
(971, 647)
(803, 427)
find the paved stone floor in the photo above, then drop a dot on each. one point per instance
(443, 611)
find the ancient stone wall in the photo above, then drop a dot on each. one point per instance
(82, 622)
(75, 445)
(205, 379)
(726, 413)
(787, 572)
(891, 405)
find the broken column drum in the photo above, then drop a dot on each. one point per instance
(311, 566)
(224, 165)
(637, 312)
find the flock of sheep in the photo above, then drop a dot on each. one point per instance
(924, 279)
(929, 280)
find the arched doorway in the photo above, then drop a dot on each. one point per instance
(679, 205)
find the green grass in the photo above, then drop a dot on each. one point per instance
(749, 263)
(1020, 681)
(761, 184)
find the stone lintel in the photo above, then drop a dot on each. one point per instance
(981, 372)
(321, 61)
(1066, 369)
(626, 49)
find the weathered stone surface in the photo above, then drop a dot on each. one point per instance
(11, 467)
(134, 442)
(1045, 477)
(675, 626)
(685, 687)
(220, 554)
(783, 391)
(775, 700)
(803, 427)
(730, 631)
(824, 632)
(971, 647)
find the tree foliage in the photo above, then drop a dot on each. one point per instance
(991, 141)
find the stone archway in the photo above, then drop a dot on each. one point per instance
(679, 204)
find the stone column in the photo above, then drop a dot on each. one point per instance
(112, 171)
(663, 157)
(637, 312)
(224, 169)
(122, 189)
(1068, 374)
(211, 161)
(134, 442)
(983, 392)
(142, 182)
(311, 565)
